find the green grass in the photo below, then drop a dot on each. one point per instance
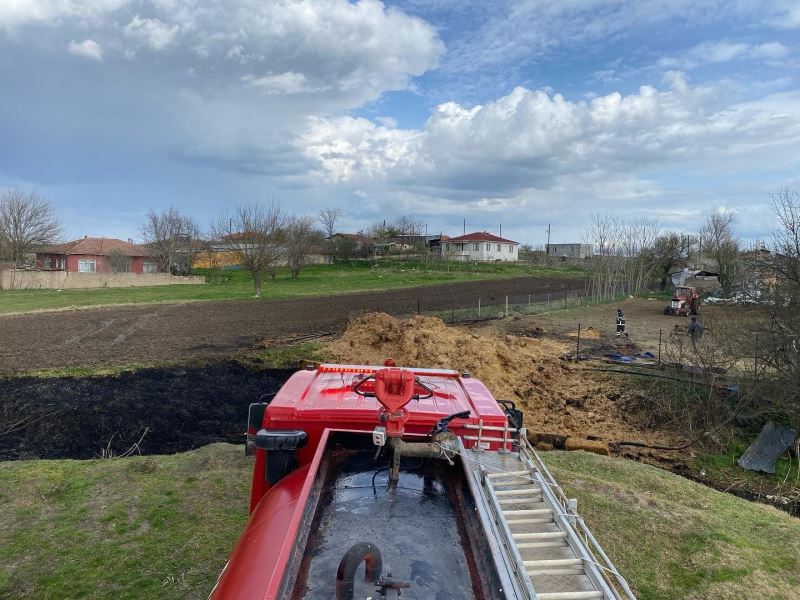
(162, 527)
(144, 527)
(314, 280)
(673, 538)
(720, 469)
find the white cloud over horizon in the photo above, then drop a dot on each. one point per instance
(437, 108)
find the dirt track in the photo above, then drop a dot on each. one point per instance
(153, 333)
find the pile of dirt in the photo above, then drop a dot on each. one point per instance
(554, 395)
(590, 333)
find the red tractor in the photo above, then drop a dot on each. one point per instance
(685, 301)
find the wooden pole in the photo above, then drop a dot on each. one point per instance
(506, 305)
(659, 347)
(479, 308)
(578, 349)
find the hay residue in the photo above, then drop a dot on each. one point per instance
(554, 395)
(589, 333)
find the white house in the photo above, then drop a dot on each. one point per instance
(481, 247)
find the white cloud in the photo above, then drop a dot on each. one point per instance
(722, 51)
(14, 13)
(87, 49)
(283, 83)
(151, 32)
(535, 140)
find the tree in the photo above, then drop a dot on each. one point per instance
(254, 234)
(301, 237)
(718, 240)
(172, 238)
(118, 262)
(667, 254)
(328, 217)
(26, 221)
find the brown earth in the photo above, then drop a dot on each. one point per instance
(555, 395)
(173, 332)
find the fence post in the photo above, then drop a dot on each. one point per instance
(565, 300)
(479, 308)
(578, 349)
(506, 305)
(548, 301)
(659, 347)
(529, 303)
(452, 310)
(418, 311)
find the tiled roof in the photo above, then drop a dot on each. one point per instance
(97, 247)
(481, 236)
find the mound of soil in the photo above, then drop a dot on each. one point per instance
(554, 395)
(179, 408)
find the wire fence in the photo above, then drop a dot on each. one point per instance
(454, 308)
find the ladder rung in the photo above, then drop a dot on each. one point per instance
(555, 571)
(530, 490)
(529, 521)
(557, 562)
(569, 595)
(540, 535)
(513, 500)
(527, 512)
(526, 545)
(507, 474)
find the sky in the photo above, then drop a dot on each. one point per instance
(517, 114)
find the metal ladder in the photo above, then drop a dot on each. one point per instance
(544, 546)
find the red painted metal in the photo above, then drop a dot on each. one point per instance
(318, 402)
(393, 389)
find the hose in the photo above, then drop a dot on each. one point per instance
(365, 552)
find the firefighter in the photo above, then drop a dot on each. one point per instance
(695, 331)
(621, 324)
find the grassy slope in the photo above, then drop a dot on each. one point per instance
(314, 280)
(162, 527)
(674, 538)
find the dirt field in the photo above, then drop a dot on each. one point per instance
(644, 319)
(149, 334)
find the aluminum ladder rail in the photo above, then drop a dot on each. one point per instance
(531, 515)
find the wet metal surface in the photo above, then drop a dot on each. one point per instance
(414, 526)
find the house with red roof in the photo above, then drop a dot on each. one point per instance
(96, 255)
(480, 246)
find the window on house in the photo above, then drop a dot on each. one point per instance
(149, 267)
(475, 247)
(87, 265)
(488, 247)
(61, 263)
(510, 248)
(498, 247)
(47, 263)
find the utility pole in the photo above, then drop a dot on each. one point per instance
(547, 248)
(465, 227)
(501, 230)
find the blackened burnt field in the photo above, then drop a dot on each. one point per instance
(157, 333)
(163, 410)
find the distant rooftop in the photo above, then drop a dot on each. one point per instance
(97, 247)
(481, 236)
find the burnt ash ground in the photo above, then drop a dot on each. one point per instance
(157, 333)
(180, 408)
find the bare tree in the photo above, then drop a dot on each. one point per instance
(26, 221)
(328, 217)
(718, 240)
(254, 234)
(119, 262)
(172, 238)
(301, 238)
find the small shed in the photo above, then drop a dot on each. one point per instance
(703, 280)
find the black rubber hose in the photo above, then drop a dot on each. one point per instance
(346, 573)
